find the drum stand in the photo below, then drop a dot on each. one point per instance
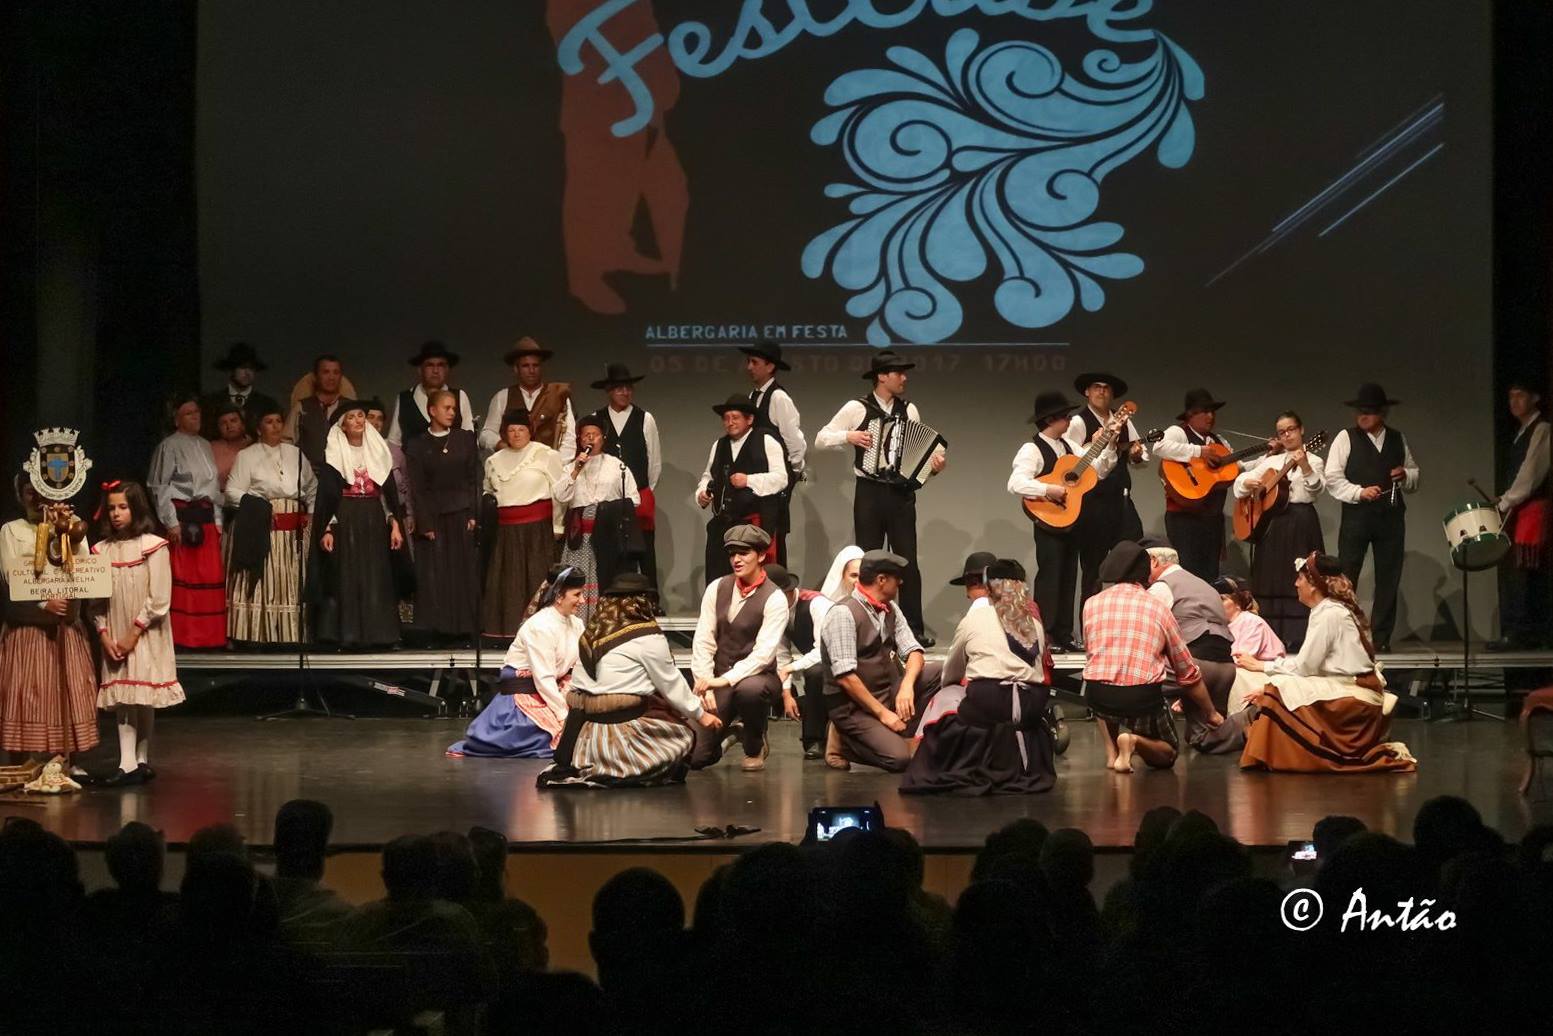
(1463, 709)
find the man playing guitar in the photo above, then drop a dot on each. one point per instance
(1195, 527)
(1109, 514)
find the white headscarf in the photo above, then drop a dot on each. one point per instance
(831, 588)
(372, 454)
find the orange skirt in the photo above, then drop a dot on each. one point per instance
(1343, 735)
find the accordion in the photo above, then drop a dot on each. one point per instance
(901, 451)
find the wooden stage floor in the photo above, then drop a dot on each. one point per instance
(386, 777)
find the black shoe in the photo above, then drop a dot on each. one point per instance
(813, 751)
(122, 779)
(147, 774)
(926, 640)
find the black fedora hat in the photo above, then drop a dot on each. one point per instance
(434, 350)
(240, 354)
(1088, 378)
(629, 584)
(526, 347)
(1006, 568)
(766, 350)
(1049, 405)
(1371, 397)
(884, 361)
(1198, 400)
(735, 402)
(616, 374)
(974, 563)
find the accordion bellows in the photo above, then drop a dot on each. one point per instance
(901, 450)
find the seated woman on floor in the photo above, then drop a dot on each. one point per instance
(525, 719)
(629, 709)
(988, 736)
(1324, 710)
(1252, 635)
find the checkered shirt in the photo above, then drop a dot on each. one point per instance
(1131, 638)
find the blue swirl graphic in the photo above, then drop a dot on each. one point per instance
(994, 159)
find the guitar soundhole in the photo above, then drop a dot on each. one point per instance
(1070, 478)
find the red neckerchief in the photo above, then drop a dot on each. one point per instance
(744, 592)
(865, 595)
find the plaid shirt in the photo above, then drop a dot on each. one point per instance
(1131, 639)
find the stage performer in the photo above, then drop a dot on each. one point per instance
(1252, 634)
(872, 699)
(549, 404)
(733, 658)
(745, 474)
(984, 732)
(631, 435)
(838, 584)
(884, 514)
(600, 497)
(1057, 551)
(377, 417)
(48, 690)
(307, 424)
(187, 489)
(444, 469)
(1195, 527)
(232, 438)
(242, 366)
(1133, 644)
(139, 671)
(630, 716)
(1109, 513)
(777, 414)
(359, 530)
(521, 477)
(1291, 531)
(1370, 470)
(525, 718)
(272, 490)
(789, 651)
(434, 361)
(1199, 613)
(1525, 589)
(1326, 709)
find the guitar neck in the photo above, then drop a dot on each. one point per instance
(1240, 455)
(1097, 446)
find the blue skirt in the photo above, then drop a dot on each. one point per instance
(504, 731)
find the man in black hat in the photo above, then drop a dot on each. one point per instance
(1368, 469)
(549, 404)
(872, 701)
(745, 474)
(883, 513)
(433, 360)
(631, 434)
(242, 365)
(1195, 527)
(973, 574)
(1056, 550)
(1109, 513)
(776, 413)
(733, 659)
(1525, 620)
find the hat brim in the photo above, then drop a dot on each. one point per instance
(1067, 411)
(226, 363)
(513, 355)
(612, 382)
(780, 363)
(960, 580)
(1210, 408)
(1371, 404)
(1088, 378)
(420, 358)
(722, 408)
(874, 372)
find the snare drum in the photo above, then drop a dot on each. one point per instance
(1476, 536)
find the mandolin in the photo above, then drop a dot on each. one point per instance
(1076, 473)
(1272, 497)
(1196, 478)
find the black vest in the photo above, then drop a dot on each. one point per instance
(629, 444)
(413, 423)
(800, 630)
(1048, 454)
(763, 422)
(872, 410)
(312, 429)
(1119, 481)
(1368, 466)
(728, 502)
(1517, 457)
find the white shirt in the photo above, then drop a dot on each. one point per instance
(784, 414)
(642, 666)
(271, 472)
(1533, 469)
(183, 468)
(546, 648)
(1029, 465)
(525, 476)
(466, 414)
(767, 483)
(1303, 488)
(1175, 445)
(1337, 459)
(490, 429)
(980, 650)
(762, 656)
(834, 435)
(618, 419)
(1332, 646)
(1077, 431)
(598, 483)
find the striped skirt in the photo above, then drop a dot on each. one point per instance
(48, 690)
(640, 746)
(268, 610)
(584, 560)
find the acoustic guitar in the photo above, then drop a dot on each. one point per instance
(1196, 478)
(1272, 497)
(1076, 473)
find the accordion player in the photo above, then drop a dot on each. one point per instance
(901, 451)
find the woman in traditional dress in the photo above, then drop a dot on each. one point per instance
(1287, 534)
(139, 672)
(1250, 633)
(593, 491)
(358, 530)
(48, 689)
(988, 735)
(272, 489)
(525, 718)
(837, 586)
(444, 469)
(187, 488)
(629, 709)
(1325, 710)
(521, 476)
